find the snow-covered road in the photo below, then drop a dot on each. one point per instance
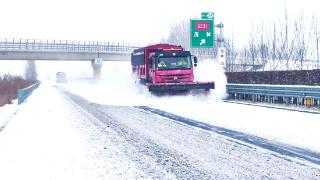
(88, 129)
(59, 135)
(117, 87)
(52, 138)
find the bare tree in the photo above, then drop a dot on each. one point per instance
(316, 37)
(286, 41)
(274, 47)
(253, 50)
(179, 34)
(30, 71)
(301, 46)
(231, 54)
(262, 46)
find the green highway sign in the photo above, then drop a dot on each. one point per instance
(202, 33)
(207, 15)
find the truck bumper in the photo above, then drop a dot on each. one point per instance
(171, 87)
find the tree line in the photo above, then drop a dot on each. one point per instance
(10, 83)
(287, 43)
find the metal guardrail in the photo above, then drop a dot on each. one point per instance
(23, 94)
(275, 90)
(64, 45)
(287, 94)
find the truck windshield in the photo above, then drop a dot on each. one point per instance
(165, 63)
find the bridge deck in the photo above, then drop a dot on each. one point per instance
(26, 49)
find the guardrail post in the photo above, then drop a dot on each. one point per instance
(19, 95)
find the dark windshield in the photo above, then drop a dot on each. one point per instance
(165, 63)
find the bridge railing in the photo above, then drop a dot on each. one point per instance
(65, 45)
(286, 94)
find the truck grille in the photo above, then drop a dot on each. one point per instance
(175, 78)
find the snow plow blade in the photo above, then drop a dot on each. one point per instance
(171, 87)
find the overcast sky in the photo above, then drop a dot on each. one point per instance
(137, 21)
(129, 21)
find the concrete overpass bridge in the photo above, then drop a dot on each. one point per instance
(64, 50)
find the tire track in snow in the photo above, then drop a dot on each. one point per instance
(156, 161)
(280, 148)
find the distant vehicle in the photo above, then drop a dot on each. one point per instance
(61, 77)
(166, 68)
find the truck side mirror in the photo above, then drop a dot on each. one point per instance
(195, 61)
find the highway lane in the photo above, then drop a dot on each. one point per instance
(281, 148)
(163, 148)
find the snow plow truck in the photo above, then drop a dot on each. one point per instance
(166, 68)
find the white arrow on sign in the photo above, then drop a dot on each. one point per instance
(210, 15)
(203, 41)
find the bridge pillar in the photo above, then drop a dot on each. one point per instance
(96, 65)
